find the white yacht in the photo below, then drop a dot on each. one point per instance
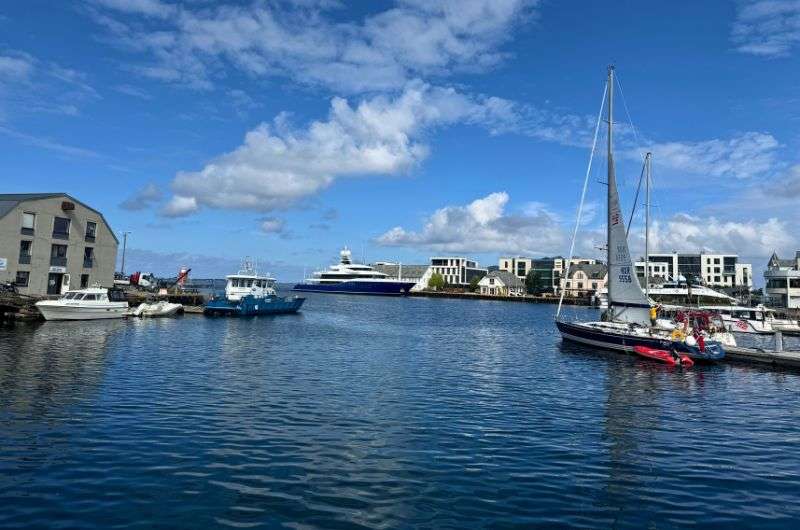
(678, 292)
(85, 304)
(354, 278)
(758, 319)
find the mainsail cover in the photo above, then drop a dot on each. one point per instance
(626, 300)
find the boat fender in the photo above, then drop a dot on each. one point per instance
(690, 341)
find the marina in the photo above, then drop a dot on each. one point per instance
(399, 265)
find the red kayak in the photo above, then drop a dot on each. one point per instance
(663, 355)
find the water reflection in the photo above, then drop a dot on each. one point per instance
(52, 364)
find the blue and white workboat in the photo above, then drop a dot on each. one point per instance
(247, 293)
(354, 278)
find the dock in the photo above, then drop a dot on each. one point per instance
(776, 358)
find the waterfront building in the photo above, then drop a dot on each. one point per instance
(713, 270)
(51, 243)
(548, 272)
(585, 279)
(783, 281)
(456, 270)
(501, 283)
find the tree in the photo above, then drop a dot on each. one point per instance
(473, 283)
(534, 283)
(436, 281)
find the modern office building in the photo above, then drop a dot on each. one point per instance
(456, 270)
(714, 270)
(783, 281)
(52, 242)
(549, 272)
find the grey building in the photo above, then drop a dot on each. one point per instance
(52, 242)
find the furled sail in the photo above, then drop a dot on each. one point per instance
(626, 300)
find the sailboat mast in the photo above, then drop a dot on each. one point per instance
(611, 176)
(647, 161)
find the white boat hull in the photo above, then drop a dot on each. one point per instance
(65, 312)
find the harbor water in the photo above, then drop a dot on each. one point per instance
(369, 412)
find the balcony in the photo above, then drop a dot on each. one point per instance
(58, 261)
(88, 263)
(24, 259)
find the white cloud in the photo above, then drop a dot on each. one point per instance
(279, 164)
(743, 156)
(484, 226)
(688, 233)
(144, 198)
(179, 206)
(384, 51)
(272, 225)
(767, 27)
(786, 186)
(15, 67)
(49, 144)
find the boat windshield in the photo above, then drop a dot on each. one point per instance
(70, 295)
(90, 297)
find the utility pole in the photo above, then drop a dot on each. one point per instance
(124, 248)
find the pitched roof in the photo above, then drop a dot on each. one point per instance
(775, 261)
(9, 201)
(508, 279)
(593, 271)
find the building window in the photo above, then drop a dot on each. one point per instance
(91, 231)
(25, 251)
(580, 285)
(58, 255)
(594, 285)
(88, 257)
(22, 278)
(716, 270)
(84, 281)
(60, 228)
(716, 261)
(491, 281)
(28, 223)
(716, 279)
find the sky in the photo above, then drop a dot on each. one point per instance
(284, 130)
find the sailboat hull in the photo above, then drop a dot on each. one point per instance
(624, 341)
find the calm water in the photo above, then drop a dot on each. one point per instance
(381, 413)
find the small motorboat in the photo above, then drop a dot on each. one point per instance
(664, 356)
(161, 308)
(85, 304)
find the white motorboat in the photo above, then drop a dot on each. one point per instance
(85, 304)
(758, 319)
(161, 308)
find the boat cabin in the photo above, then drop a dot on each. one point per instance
(239, 285)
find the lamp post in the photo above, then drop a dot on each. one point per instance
(124, 248)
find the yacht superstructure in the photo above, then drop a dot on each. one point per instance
(354, 278)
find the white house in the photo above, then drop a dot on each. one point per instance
(501, 283)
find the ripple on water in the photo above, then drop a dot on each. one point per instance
(381, 413)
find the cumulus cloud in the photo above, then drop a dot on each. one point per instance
(484, 226)
(144, 198)
(179, 206)
(383, 51)
(689, 233)
(768, 28)
(278, 164)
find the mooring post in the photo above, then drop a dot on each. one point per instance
(778, 341)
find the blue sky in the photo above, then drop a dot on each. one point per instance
(286, 129)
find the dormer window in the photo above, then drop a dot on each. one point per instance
(28, 223)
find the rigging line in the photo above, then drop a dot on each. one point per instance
(630, 120)
(583, 198)
(635, 201)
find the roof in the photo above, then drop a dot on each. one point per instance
(593, 271)
(9, 201)
(775, 261)
(508, 279)
(409, 271)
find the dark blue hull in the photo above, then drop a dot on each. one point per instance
(251, 306)
(621, 341)
(396, 288)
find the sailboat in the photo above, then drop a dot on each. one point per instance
(626, 323)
